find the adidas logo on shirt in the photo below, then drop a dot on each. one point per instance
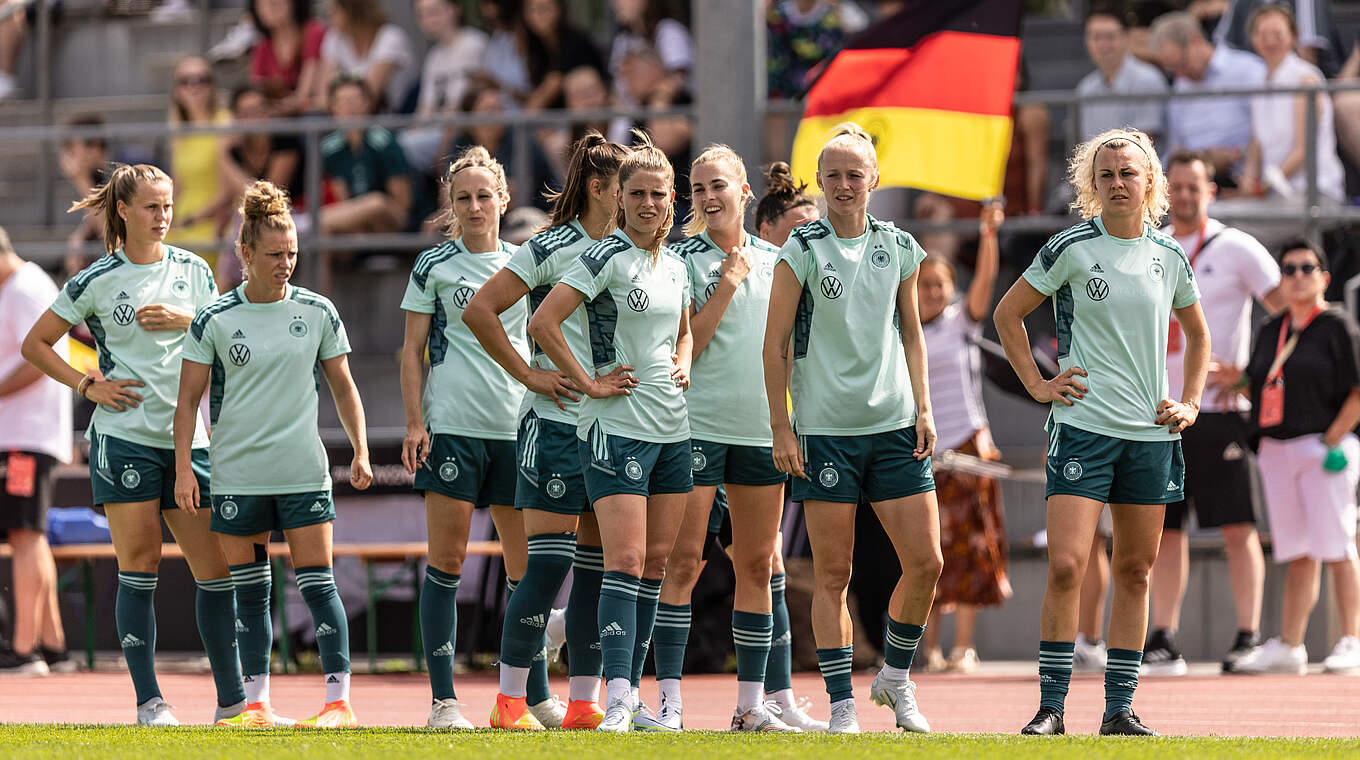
(1096, 268)
(122, 296)
(829, 267)
(130, 641)
(637, 278)
(537, 621)
(446, 650)
(613, 629)
(238, 335)
(324, 630)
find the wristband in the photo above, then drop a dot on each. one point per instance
(84, 385)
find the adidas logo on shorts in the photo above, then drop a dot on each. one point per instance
(318, 506)
(324, 630)
(241, 627)
(537, 621)
(613, 629)
(1096, 268)
(130, 641)
(1171, 485)
(238, 335)
(445, 650)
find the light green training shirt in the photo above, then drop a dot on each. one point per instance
(849, 367)
(633, 306)
(106, 296)
(262, 399)
(1112, 301)
(467, 393)
(726, 396)
(540, 263)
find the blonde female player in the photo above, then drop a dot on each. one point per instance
(460, 433)
(633, 428)
(1114, 434)
(730, 272)
(138, 300)
(551, 491)
(838, 287)
(259, 346)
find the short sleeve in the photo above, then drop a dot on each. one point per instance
(910, 254)
(524, 265)
(420, 296)
(686, 287)
(313, 39)
(394, 160)
(1187, 291)
(331, 51)
(798, 257)
(1347, 353)
(1258, 270)
(579, 276)
(200, 346)
(334, 339)
(391, 45)
(1048, 272)
(73, 303)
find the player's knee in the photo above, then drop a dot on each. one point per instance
(755, 569)
(683, 570)
(832, 577)
(627, 560)
(1065, 572)
(446, 560)
(925, 568)
(1131, 573)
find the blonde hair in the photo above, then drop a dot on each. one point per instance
(646, 157)
(1081, 174)
(122, 186)
(852, 136)
(474, 157)
(714, 153)
(264, 206)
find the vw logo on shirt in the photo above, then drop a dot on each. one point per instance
(638, 300)
(123, 314)
(239, 354)
(708, 291)
(831, 287)
(461, 296)
(1097, 289)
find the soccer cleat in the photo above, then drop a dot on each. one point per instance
(155, 712)
(1047, 722)
(555, 633)
(59, 660)
(513, 714)
(447, 713)
(550, 712)
(964, 660)
(667, 719)
(337, 714)
(935, 661)
(14, 664)
(1243, 645)
(255, 715)
(796, 715)
(901, 697)
(1125, 723)
(1161, 657)
(760, 718)
(844, 718)
(1088, 656)
(1274, 656)
(221, 713)
(618, 717)
(582, 715)
(1345, 657)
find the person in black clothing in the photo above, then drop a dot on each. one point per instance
(1304, 382)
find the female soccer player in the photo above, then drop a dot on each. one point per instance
(1114, 435)
(838, 287)
(260, 345)
(138, 300)
(633, 428)
(551, 489)
(460, 434)
(784, 206)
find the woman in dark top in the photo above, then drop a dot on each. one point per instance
(551, 47)
(1304, 382)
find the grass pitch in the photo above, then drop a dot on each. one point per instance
(65, 742)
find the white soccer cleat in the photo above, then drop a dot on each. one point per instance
(901, 697)
(796, 715)
(667, 719)
(1345, 657)
(555, 633)
(155, 712)
(230, 711)
(762, 719)
(1275, 656)
(618, 717)
(448, 713)
(1088, 656)
(550, 712)
(844, 718)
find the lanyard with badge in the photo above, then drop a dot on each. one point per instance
(1174, 341)
(1272, 393)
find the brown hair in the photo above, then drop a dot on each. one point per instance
(368, 14)
(646, 157)
(592, 157)
(1263, 10)
(473, 157)
(713, 154)
(122, 185)
(263, 207)
(782, 194)
(1187, 156)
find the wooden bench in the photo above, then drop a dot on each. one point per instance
(409, 553)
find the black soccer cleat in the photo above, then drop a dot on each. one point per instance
(1243, 645)
(1046, 722)
(1125, 723)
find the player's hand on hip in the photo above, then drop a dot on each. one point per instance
(554, 385)
(115, 393)
(1177, 415)
(1065, 388)
(616, 383)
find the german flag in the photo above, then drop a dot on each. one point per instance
(933, 85)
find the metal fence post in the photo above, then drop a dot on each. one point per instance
(1311, 225)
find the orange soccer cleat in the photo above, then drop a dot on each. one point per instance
(337, 714)
(512, 713)
(256, 715)
(583, 715)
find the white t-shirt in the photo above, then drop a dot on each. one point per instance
(1232, 270)
(37, 418)
(955, 365)
(447, 68)
(1133, 78)
(391, 45)
(1272, 124)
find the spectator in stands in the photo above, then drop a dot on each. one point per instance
(1304, 382)
(1220, 127)
(1319, 40)
(498, 139)
(645, 82)
(366, 171)
(546, 46)
(35, 434)
(643, 25)
(1275, 157)
(1347, 107)
(260, 155)
(84, 163)
(583, 89)
(285, 63)
(799, 36)
(203, 197)
(972, 525)
(362, 43)
(13, 17)
(456, 54)
(1118, 72)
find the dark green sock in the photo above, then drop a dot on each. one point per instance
(836, 665)
(669, 638)
(215, 609)
(900, 641)
(536, 689)
(618, 623)
(135, 614)
(649, 593)
(583, 612)
(1121, 678)
(254, 626)
(526, 614)
(779, 668)
(751, 637)
(439, 628)
(317, 585)
(1055, 673)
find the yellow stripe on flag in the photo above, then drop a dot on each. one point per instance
(949, 152)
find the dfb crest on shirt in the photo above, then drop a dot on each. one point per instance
(297, 328)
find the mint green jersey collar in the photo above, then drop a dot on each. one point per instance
(165, 254)
(501, 247)
(746, 238)
(1130, 242)
(288, 290)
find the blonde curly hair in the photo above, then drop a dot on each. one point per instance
(1081, 174)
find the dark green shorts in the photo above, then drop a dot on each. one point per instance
(717, 463)
(1114, 470)
(248, 515)
(880, 467)
(614, 465)
(122, 472)
(477, 470)
(550, 475)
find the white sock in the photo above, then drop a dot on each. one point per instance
(337, 686)
(257, 688)
(584, 687)
(514, 681)
(783, 697)
(748, 694)
(895, 674)
(670, 691)
(633, 694)
(838, 703)
(620, 688)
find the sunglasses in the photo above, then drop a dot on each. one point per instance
(188, 81)
(1289, 270)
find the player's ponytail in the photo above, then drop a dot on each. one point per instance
(122, 186)
(645, 156)
(782, 194)
(592, 157)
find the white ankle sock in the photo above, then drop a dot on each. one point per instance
(620, 688)
(784, 698)
(584, 687)
(748, 694)
(337, 686)
(895, 674)
(257, 688)
(670, 691)
(514, 681)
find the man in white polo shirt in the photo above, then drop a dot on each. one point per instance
(1118, 72)
(1221, 482)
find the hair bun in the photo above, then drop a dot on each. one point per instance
(264, 199)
